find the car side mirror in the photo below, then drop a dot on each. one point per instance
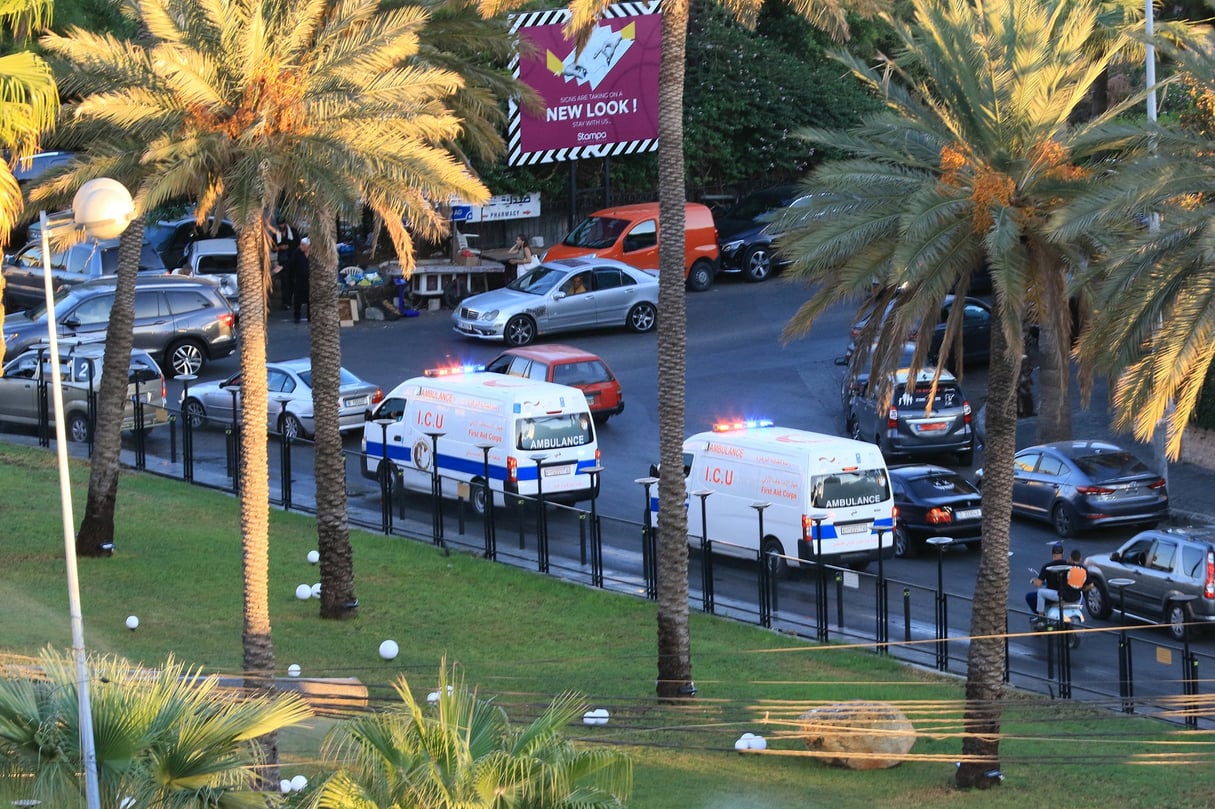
(841, 360)
(367, 414)
(71, 322)
(1115, 557)
(558, 295)
(653, 470)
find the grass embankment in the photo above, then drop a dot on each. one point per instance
(522, 638)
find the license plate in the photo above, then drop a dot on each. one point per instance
(969, 514)
(358, 401)
(933, 427)
(553, 471)
(853, 528)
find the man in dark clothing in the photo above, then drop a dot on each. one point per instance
(1046, 583)
(282, 242)
(296, 274)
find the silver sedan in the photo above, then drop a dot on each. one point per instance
(575, 293)
(289, 398)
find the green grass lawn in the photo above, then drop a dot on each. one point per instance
(522, 638)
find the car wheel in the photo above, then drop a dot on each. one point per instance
(78, 427)
(700, 277)
(757, 263)
(520, 331)
(186, 357)
(774, 558)
(601, 418)
(195, 414)
(1178, 617)
(1064, 518)
(904, 545)
(290, 428)
(1097, 600)
(642, 317)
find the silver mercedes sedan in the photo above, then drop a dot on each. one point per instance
(563, 295)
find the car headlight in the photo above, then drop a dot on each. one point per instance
(491, 315)
(730, 247)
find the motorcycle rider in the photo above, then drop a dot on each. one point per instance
(1046, 583)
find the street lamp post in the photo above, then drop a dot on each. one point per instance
(649, 564)
(883, 631)
(386, 477)
(596, 538)
(285, 453)
(436, 489)
(942, 613)
(706, 554)
(1126, 685)
(766, 565)
(541, 515)
(820, 590)
(234, 442)
(103, 207)
(487, 509)
(187, 429)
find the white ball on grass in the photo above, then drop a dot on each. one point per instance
(132, 622)
(314, 557)
(303, 592)
(389, 649)
(293, 670)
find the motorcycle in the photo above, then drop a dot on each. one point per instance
(1060, 617)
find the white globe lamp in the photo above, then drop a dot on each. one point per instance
(103, 207)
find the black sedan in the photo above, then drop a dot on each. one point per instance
(1076, 485)
(932, 501)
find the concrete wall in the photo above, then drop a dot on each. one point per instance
(1198, 447)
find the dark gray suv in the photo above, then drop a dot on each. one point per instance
(1171, 574)
(183, 322)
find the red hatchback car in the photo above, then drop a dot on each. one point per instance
(565, 365)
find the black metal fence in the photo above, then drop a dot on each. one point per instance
(1132, 667)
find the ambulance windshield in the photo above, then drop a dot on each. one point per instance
(845, 489)
(555, 432)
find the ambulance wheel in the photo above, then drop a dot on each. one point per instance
(520, 330)
(774, 558)
(477, 495)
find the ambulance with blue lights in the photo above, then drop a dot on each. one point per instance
(824, 494)
(447, 418)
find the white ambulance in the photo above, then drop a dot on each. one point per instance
(448, 416)
(819, 489)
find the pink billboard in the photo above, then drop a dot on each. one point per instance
(602, 101)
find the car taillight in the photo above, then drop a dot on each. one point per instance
(1094, 490)
(377, 397)
(227, 320)
(894, 516)
(1159, 484)
(597, 456)
(1208, 587)
(163, 392)
(965, 412)
(892, 421)
(938, 516)
(512, 469)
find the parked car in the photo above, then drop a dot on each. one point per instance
(24, 287)
(1077, 485)
(745, 232)
(566, 365)
(26, 172)
(184, 323)
(918, 420)
(80, 366)
(291, 408)
(577, 293)
(976, 330)
(215, 260)
(932, 501)
(629, 233)
(1172, 575)
(170, 237)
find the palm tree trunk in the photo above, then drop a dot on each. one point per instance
(674, 645)
(1054, 374)
(332, 529)
(254, 474)
(96, 535)
(989, 617)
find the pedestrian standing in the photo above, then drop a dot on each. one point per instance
(297, 276)
(282, 242)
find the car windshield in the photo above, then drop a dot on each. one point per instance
(843, 489)
(555, 432)
(540, 281)
(932, 486)
(753, 206)
(946, 396)
(596, 232)
(1106, 465)
(63, 300)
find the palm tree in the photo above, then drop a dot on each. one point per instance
(315, 99)
(463, 752)
(674, 644)
(29, 102)
(1151, 326)
(962, 170)
(167, 736)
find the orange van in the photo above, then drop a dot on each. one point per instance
(629, 233)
